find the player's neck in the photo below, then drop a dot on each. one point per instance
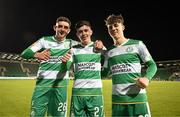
(59, 39)
(120, 41)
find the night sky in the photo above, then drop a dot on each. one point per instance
(156, 24)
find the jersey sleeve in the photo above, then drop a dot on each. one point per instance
(31, 50)
(73, 43)
(151, 69)
(105, 68)
(70, 61)
(148, 60)
(143, 52)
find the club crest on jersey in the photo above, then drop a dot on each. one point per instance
(129, 49)
(110, 53)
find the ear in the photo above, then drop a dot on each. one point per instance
(54, 27)
(76, 33)
(69, 31)
(91, 31)
(123, 27)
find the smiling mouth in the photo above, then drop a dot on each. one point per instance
(61, 33)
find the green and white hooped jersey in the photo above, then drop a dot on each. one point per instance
(124, 63)
(87, 71)
(51, 72)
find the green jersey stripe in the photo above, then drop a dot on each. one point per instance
(51, 82)
(123, 50)
(124, 57)
(87, 91)
(125, 78)
(58, 52)
(91, 75)
(52, 66)
(87, 57)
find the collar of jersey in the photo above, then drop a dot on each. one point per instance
(123, 43)
(58, 41)
(91, 43)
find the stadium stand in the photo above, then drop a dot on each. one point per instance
(167, 69)
(12, 65)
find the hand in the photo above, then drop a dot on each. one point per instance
(44, 55)
(142, 82)
(98, 45)
(66, 57)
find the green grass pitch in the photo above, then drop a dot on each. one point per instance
(164, 97)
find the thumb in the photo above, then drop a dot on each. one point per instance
(70, 51)
(135, 79)
(47, 50)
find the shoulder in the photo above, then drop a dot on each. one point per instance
(47, 38)
(73, 42)
(133, 41)
(77, 46)
(111, 47)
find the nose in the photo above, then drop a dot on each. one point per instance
(65, 27)
(83, 32)
(113, 27)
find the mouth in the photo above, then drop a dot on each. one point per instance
(61, 33)
(113, 32)
(84, 37)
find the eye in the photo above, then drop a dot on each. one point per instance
(110, 27)
(61, 26)
(66, 27)
(116, 25)
(80, 31)
(86, 30)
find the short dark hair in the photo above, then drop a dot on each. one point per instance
(62, 18)
(81, 23)
(111, 19)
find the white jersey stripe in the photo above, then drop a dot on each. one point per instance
(52, 74)
(122, 50)
(85, 50)
(129, 88)
(148, 108)
(87, 83)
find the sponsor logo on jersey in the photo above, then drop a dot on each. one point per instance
(54, 59)
(121, 68)
(86, 66)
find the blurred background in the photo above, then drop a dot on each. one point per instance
(22, 22)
